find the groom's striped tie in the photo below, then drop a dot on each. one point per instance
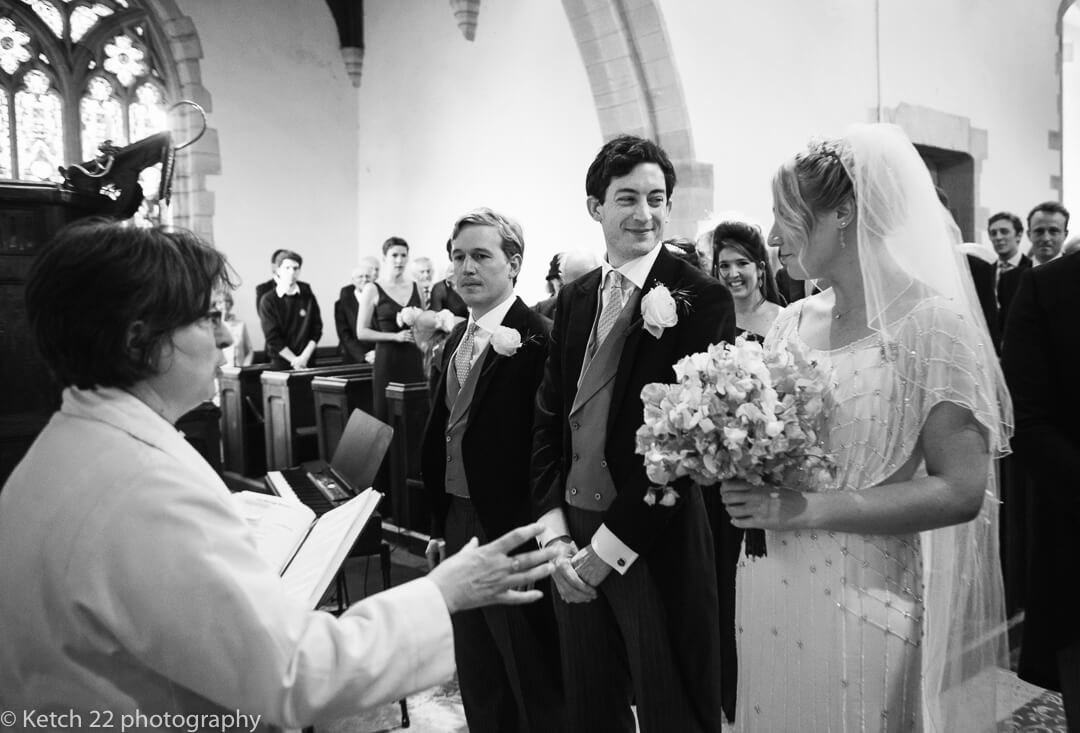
(610, 308)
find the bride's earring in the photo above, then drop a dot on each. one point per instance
(843, 225)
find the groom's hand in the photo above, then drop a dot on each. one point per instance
(590, 567)
(571, 587)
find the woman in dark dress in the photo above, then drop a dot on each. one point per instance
(397, 358)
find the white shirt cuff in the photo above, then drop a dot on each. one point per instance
(554, 522)
(612, 550)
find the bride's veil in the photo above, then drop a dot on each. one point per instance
(906, 240)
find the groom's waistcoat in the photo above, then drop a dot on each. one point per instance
(458, 403)
(588, 482)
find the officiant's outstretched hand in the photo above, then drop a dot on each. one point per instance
(140, 585)
(483, 575)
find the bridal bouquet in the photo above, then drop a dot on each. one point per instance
(736, 411)
(430, 328)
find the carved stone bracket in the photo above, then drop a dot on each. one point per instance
(466, 13)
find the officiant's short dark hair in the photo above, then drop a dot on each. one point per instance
(103, 298)
(621, 155)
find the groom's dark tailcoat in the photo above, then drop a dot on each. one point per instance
(507, 656)
(1039, 358)
(674, 545)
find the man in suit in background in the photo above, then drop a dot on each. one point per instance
(353, 350)
(1048, 225)
(423, 270)
(475, 466)
(1041, 351)
(636, 584)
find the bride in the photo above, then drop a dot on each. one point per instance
(879, 603)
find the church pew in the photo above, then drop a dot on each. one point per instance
(335, 399)
(408, 406)
(289, 429)
(243, 444)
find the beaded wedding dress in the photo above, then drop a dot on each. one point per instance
(850, 632)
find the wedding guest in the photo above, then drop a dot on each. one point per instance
(424, 273)
(741, 262)
(553, 282)
(139, 587)
(475, 466)
(347, 308)
(291, 321)
(1042, 349)
(265, 287)
(444, 295)
(685, 250)
(239, 352)
(1048, 225)
(883, 581)
(577, 263)
(1071, 247)
(397, 359)
(637, 601)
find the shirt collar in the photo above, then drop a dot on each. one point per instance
(282, 291)
(494, 317)
(636, 270)
(1015, 259)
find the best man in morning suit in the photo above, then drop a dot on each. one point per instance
(636, 584)
(475, 466)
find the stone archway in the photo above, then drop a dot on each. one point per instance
(637, 90)
(192, 203)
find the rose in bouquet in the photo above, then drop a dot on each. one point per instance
(406, 317)
(736, 411)
(430, 329)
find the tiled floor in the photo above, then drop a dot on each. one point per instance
(1022, 708)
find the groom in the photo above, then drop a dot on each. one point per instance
(636, 598)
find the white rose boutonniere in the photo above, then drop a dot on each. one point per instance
(505, 341)
(658, 310)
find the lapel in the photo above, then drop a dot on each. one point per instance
(579, 323)
(487, 365)
(663, 272)
(466, 393)
(602, 367)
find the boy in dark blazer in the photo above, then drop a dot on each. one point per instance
(475, 466)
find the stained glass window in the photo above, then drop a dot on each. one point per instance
(13, 51)
(146, 114)
(39, 128)
(102, 117)
(99, 82)
(85, 17)
(124, 59)
(50, 14)
(5, 139)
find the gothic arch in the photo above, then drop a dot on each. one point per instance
(636, 87)
(192, 204)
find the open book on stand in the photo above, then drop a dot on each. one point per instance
(306, 550)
